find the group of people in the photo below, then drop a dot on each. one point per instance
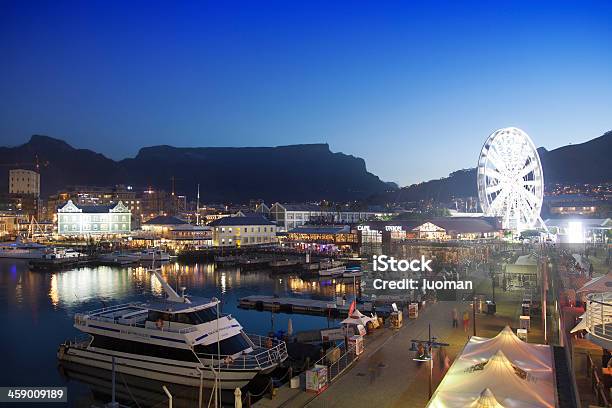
(466, 319)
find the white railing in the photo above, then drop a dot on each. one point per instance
(83, 319)
(599, 316)
(266, 352)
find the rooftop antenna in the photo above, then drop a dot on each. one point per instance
(198, 207)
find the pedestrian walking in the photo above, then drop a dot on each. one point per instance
(455, 318)
(466, 321)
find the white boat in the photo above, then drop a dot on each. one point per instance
(154, 254)
(118, 257)
(338, 270)
(61, 253)
(352, 273)
(20, 250)
(179, 339)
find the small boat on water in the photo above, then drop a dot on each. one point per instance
(119, 258)
(352, 272)
(337, 271)
(63, 253)
(22, 250)
(177, 339)
(154, 255)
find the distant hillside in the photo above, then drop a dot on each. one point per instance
(285, 173)
(589, 162)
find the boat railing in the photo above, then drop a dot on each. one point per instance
(599, 316)
(108, 309)
(83, 319)
(266, 352)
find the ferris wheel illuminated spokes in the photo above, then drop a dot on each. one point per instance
(510, 179)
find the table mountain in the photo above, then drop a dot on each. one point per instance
(285, 173)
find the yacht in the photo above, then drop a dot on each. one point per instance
(154, 254)
(20, 250)
(178, 339)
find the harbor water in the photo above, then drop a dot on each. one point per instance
(37, 311)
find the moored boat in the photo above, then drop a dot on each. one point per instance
(179, 339)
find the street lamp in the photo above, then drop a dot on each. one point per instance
(424, 350)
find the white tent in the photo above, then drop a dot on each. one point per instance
(528, 356)
(512, 387)
(486, 400)
(357, 318)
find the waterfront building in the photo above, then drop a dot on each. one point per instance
(441, 228)
(289, 216)
(85, 220)
(23, 181)
(162, 224)
(459, 228)
(323, 238)
(243, 231)
(189, 236)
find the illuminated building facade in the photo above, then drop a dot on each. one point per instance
(290, 216)
(243, 231)
(85, 220)
(24, 182)
(323, 237)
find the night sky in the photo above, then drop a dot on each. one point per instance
(413, 89)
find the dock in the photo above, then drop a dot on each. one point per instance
(308, 306)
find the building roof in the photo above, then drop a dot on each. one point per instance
(89, 209)
(587, 222)
(232, 221)
(321, 229)
(165, 220)
(191, 227)
(301, 207)
(464, 225)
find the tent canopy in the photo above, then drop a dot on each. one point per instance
(528, 356)
(499, 372)
(461, 388)
(357, 318)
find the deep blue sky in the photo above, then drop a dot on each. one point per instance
(414, 88)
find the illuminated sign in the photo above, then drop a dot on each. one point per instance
(394, 228)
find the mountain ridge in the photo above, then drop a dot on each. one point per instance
(234, 174)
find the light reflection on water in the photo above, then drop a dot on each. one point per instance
(38, 308)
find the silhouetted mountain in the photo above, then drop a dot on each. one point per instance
(589, 162)
(284, 173)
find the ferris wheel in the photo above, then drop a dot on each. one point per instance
(510, 179)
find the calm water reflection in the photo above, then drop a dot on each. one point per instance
(37, 312)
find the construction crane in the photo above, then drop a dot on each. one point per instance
(37, 164)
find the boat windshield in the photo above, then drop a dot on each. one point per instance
(231, 345)
(197, 317)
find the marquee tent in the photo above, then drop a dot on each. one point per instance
(527, 356)
(507, 384)
(486, 400)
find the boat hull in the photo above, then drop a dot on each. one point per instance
(171, 371)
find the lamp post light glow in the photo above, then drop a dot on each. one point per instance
(425, 353)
